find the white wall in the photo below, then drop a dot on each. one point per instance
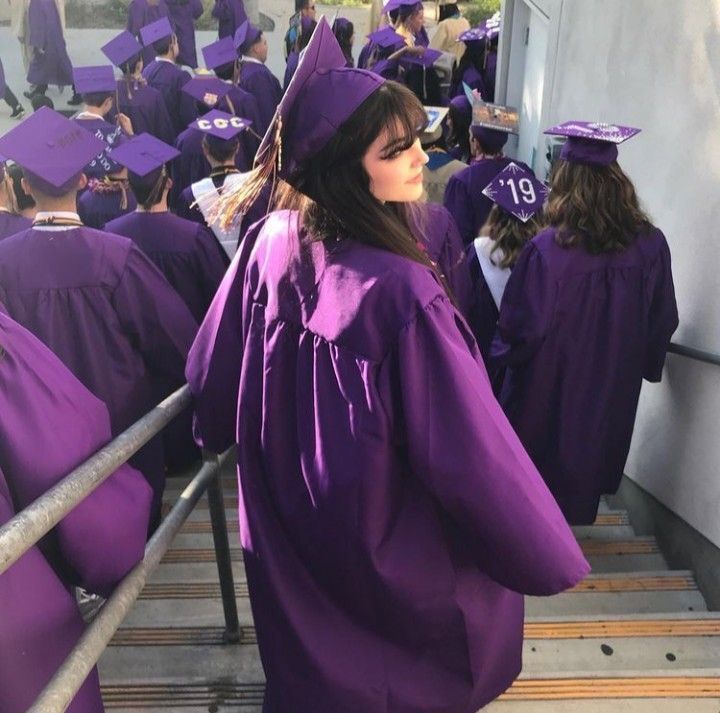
(656, 65)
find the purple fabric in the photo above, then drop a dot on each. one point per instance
(290, 68)
(142, 13)
(489, 75)
(572, 386)
(108, 313)
(146, 109)
(183, 14)
(169, 79)
(517, 191)
(365, 53)
(591, 142)
(230, 14)
(372, 446)
(587, 151)
(97, 206)
(464, 198)
(11, 224)
(50, 63)
(483, 313)
(94, 546)
(258, 80)
(112, 135)
(474, 80)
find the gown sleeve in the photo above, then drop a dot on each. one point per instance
(455, 268)
(154, 315)
(526, 310)
(51, 424)
(662, 316)
(466, 454)
(458, 201)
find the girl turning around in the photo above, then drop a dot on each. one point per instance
(388, 514)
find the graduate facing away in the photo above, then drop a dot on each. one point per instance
(370, 443)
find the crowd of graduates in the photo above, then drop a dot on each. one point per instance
(425, 393)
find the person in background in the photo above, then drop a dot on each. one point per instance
(73, 286)
(253, 75)
(345, 35)
(440, 166)
(9, 97)
(183, 14)
(492, 34)
(106, 198)
(307, 26)
(459, 119)
(164, 74)
(142, 13)
(24, 202)
(518, 199)
(469, 70)
(572, 384)
(230, 14)
(371, 440)
(50, 425)
(382, 53)
(11, 219)
(303, 9)
(451, 25)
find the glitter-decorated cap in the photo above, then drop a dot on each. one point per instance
(208, 89)
(94, 80)
(220, 53)
(156, 31)
(474, 34)
(51, 148)
(144, 154)
(592, 143)
(121, 48)
(516, 190)
(221, 124)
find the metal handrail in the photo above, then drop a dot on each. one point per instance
(20, 533)
(60, 691)
(696, 354)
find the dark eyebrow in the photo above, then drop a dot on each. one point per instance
(399, 144)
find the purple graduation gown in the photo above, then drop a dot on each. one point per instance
(11, 224)
(141, 13)
(259, 81)
(474, 80)
(183, 14)
(94, 546)
(50, 63)
(290, 68)
(111, 134)
(230, 14)
(101, 305)
(578, 333)
(146, 108)
(101, 203)
(389, 517)
(169, 80)
(464, 198)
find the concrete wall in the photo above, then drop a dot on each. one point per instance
(656, 65)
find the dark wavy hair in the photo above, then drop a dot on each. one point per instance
(595, 207)
(510, 235)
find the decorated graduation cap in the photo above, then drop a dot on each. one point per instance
(246, 36)
(156, 31)
(474, 34)
(516, 190)
(220, 53)
(122, 48)
(206, 89)
(591, 143)
(492, 26)
(51, 150)
(491, 123)
(94, 80)
(221, 125)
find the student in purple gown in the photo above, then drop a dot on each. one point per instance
(344, 32)
(94, 546)
(142, 13)
(459, 119)
(573, 383)
(469, 70)
(384, 49)
(514, 220)
(11, 219)
(220, 146)
(9, 97)
(492, 30)
(230, 14)
(94, 298)
(106, 198)
(464, 197)
(303, 9)
(307, 26)
(183, 14)
(164, 74)
(370, 441)
(253, 75)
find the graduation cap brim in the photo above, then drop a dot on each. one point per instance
(594, 131)
(221, 125)
(156, 31)
(144, 154)
(94, 80)
(199, 87)
(220, 53)
(121, 48)
(426, 59)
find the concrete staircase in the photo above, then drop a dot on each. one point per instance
(635, 637)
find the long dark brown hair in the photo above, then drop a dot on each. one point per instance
(509, 235)
(595, 207)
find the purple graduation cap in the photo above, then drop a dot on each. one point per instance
(387, 38)
(245, 36)
(321, 96)
(122, 48)
(219, 53)
(52, 149)
(491, 26)
(474, 34)
(426, 59)
(391, 5)
(221, 124)
(145, 157)
(517, 191)
(591, 143)
(94, 80)
(207, 89)
(156, 31)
